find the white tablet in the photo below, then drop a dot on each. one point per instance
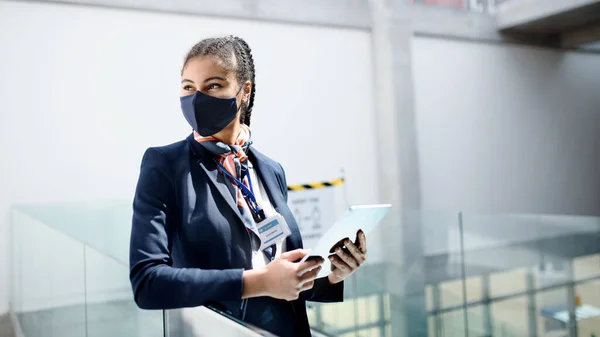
(365, 217)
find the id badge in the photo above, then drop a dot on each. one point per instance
(272, 230)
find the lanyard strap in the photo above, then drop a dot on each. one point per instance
(247, 192)
(239, 183)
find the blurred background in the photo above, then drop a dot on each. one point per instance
(478, 120)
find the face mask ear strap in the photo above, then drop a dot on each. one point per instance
(240, 90)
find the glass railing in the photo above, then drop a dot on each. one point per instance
(540, 273)
(69, 273)
(70, 277)
(476, 275)
(479, 275)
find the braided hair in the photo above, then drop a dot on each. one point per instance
(236, 55)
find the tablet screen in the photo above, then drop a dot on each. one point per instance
(365, 217)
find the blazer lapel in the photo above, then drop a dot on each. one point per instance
(267, 177)
(213, 175)
(210, 168)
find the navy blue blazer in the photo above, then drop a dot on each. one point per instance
(189, 245)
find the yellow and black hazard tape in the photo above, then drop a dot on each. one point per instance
(312, 186)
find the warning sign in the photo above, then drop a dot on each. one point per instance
(315, 212)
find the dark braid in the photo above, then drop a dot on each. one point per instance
(249, 60)
(236, 55)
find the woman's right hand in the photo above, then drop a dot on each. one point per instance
(282, 278)
(285, 279)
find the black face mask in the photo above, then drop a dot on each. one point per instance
(208, 114)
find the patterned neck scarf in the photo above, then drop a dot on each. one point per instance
(234, 159)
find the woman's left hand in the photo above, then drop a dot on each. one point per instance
(347, 260)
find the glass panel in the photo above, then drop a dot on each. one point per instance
(474, 286)
(500, 330)
(496, 243)
(388, 330)
(551, 305)
(429, 300)
(16, 288)
(585, 267)
(50, 294)
(393, 299)
(550, 274)
(510, 315)
(443, 261)
(111, 310)
(368, 310)
(107, 224)
(344, 316)
(508, 282)
(311, 313)
(387, 307)
(64, 288)
(452, 323)
(443, 270)
(337, 316)
(431, 326)
(588, 312)
(442, 274)
(565, 243)
(451, 293)
(369, 332)
(476, 321)
(521, 252)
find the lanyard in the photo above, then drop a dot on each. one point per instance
(257, 212)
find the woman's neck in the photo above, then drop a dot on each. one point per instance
(230, 134)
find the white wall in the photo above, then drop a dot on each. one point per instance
(503, 128)
(84, 91)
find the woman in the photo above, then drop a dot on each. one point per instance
(202, 207)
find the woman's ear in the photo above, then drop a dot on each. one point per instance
(247, 91)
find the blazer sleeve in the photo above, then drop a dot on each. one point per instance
(155, 282)
(322, 291)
